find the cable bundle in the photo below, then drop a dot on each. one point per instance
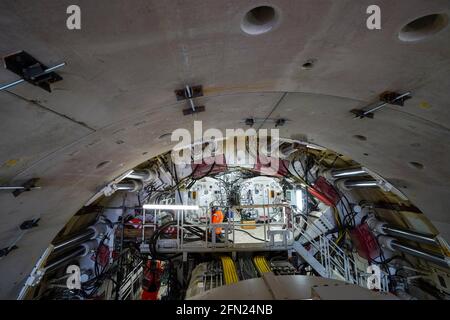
(261, 264)
(229, 270)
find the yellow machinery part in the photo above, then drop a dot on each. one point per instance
(261, 264)
(229, 270)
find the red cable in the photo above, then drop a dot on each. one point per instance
(320, 196)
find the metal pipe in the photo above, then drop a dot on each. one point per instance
(354, 184)
(124, 186)
(17, 188)
(11, 188)
(410, 235)
(131, 186)
(12, 84)
(144, 175)
(361, 183)
(79, 251)
(34, 278)
(385, 229)
(54, 67)
(437, 259)
(189, 95)
(344, 173)
(138, 175)
(79, 238)
(385, 104)
(91, 232)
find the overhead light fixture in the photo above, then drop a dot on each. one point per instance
(299, 199)
(169, 207)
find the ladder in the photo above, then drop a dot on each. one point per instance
(330, 261)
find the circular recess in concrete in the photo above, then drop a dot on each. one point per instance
(360, 137)
(259, 20)
(416, 165)
(165, 136)
(309, 64)
(103, 163)
(423, 27)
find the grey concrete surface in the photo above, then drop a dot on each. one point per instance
(117, 99)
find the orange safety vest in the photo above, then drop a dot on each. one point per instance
(217, 217)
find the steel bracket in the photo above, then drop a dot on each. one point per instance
(190, 93)
(197, 109)
(29, 224)
(27, 186)
(387, 97)
(7, 250)
(31, 70)
(279, 122)
(185, 94)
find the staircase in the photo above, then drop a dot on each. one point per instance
(326, 258)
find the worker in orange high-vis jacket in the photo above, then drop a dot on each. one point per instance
(217, 217)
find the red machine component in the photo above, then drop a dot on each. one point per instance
(365, 242)
(271, 166)
(152, 280)
(102, 255)
(218, 164)
(326, 190)
(320, 196)
(135, 223)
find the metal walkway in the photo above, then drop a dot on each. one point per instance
(330, 261)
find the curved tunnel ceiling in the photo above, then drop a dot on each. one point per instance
(117, 97)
